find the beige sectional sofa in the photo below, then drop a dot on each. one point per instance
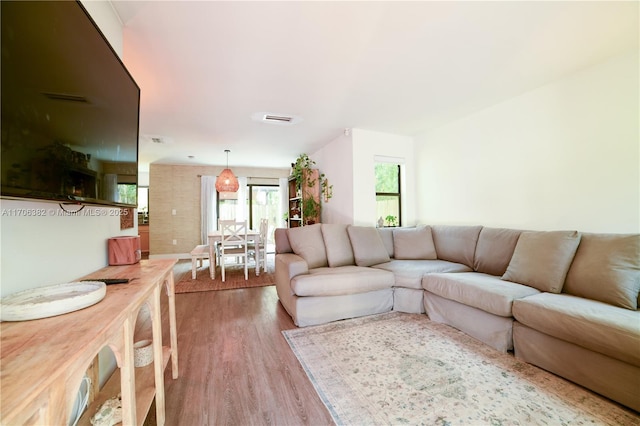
(563, 300)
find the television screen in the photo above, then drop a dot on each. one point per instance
(70, 109)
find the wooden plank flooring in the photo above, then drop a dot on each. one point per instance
(235, 366)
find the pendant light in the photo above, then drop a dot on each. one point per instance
(226, 181)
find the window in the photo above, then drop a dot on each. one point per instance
(143, 199)
(143, 205)
(388, 194)
(127, 193)
(227, 205)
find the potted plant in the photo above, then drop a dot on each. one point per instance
(391, 220)
(301, 170)
(310, 210)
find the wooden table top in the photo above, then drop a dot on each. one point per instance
(35, 354)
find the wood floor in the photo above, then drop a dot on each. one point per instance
(235, 366)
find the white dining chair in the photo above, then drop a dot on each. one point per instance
(233, 243)
(260, 246)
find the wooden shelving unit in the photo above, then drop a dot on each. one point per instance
(297, 199)
(43, 361)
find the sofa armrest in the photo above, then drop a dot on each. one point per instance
(288, 265)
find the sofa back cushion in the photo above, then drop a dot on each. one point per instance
(456, 243)
(368, 248)
(414, 243)
(337, 244)
(606, 268)
(494, 250)
(542, 259)
(282, 241)
(387, 239)
(307, 242)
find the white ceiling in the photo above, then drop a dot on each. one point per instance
(205, 67)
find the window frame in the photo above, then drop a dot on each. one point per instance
(393, 194)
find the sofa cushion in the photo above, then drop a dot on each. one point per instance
(368, 248)
(409, 273)
(594, 325)
(282, 241)
(341, 280)
(307, 242)
(606, 267)
(482, 291)
(413, 243)
(494, 250)
(542, 259)
(456, 243)
(386, 234)
(337, 245)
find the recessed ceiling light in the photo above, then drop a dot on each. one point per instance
(276, 118)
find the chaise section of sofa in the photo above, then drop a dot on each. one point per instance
(589, 332)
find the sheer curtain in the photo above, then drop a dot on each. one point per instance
(241, 207)
(208, 216)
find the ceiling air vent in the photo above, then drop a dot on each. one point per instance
(278, 118)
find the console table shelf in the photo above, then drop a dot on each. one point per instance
(43, 361)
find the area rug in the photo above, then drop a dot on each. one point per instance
(401, 369)
(234, 279)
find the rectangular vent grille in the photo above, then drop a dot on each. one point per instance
(66, 97)
(278, 118)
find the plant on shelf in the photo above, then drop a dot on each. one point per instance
(301, 169)
(310, 210)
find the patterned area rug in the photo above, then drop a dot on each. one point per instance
(400, 368)
(234, 279)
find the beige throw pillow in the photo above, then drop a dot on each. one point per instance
(307, 242)
(541, 259)
(606, 268)
(368, 248)
(413, 243)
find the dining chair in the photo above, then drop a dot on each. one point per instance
(260, 245)
(233, 243)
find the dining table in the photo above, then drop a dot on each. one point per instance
(216, 237)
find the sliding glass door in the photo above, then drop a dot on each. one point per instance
(264, 203)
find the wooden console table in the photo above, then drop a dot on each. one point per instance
(42, 362)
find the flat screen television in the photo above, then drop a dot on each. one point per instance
(70, 108)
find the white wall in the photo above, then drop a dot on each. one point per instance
(103, 14)
(335, 160)
(366, 146)
(53, 248)
(563, 156)
(348, 162)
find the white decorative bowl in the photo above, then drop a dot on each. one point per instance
(49, 301)
(143, 353)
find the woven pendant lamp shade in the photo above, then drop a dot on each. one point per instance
(227, 181)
